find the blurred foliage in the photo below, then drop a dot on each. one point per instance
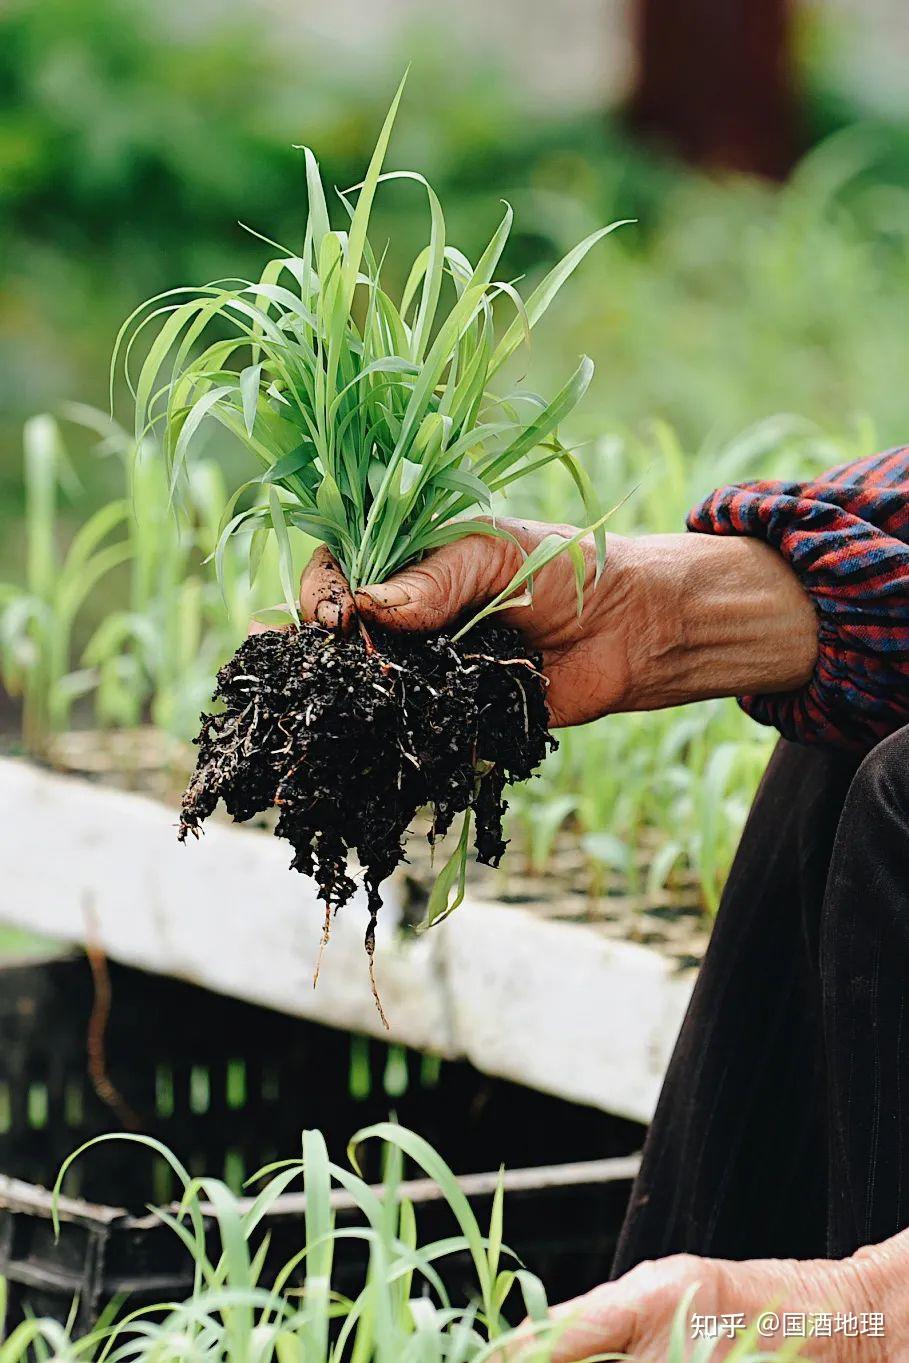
(747, 300)
(133, 138)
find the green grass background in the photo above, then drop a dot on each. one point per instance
(134, 138)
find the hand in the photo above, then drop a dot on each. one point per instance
(673, 618)
(634, 1314)
(584, 658)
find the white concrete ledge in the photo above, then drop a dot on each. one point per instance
(553, 1005)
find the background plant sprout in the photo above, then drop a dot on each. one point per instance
(399, 1313)
(37, 618)
(153, 656)
(374, 421)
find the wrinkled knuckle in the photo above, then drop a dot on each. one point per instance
(430, 584)
(439, 575)
(647, 1274)
(859, 1272)
(687, 1268)
(492, 567)
(450, 582)
(719, 1276)
(664, 1281)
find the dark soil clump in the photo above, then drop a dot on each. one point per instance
(350, 742)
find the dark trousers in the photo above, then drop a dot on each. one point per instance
(783, 1125)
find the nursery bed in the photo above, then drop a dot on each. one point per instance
(673, 921)
(226, 913)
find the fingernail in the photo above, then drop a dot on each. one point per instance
(328, 614)
(388, 594)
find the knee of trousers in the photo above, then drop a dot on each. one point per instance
(880, 787)
(866, 880)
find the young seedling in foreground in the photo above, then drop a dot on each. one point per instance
(377, 432)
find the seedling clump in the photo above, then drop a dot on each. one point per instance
(377, 434)
(350, 744)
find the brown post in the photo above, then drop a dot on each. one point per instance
(715, 82)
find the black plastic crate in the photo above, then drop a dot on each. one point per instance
(229, 1086)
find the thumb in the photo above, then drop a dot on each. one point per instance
(439, 590)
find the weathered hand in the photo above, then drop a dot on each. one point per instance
(673, 618)
(585, 658)
(634, 1314)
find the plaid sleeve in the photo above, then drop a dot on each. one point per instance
(846, 534)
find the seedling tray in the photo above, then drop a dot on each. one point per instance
(229, 1086)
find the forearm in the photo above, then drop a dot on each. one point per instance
(710, 616)
(845, 535)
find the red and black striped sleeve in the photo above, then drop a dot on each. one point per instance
(846, 535)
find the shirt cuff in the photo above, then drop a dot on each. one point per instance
(857, 574)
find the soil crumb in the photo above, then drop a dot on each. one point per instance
(350, 742)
